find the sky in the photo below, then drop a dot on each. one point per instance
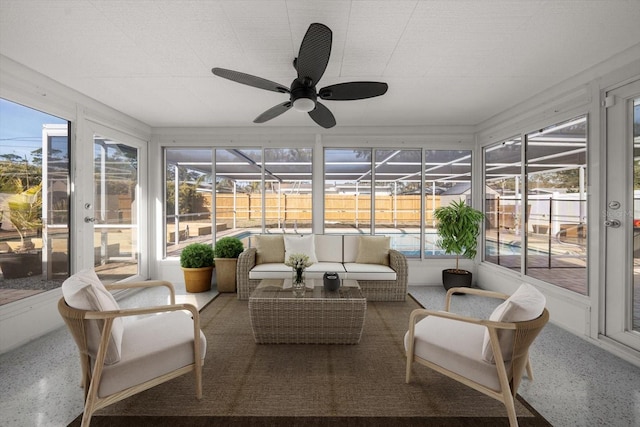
(21, 128)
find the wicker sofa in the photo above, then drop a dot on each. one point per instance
(380, 271)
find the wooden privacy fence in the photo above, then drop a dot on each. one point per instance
(403, 209)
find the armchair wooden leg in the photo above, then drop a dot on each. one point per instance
(409, 363)
(198, 369)
(511, 409)
(529, 370)
(86, 417)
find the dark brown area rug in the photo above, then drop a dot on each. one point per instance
(249, 384)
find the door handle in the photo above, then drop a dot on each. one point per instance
(613, 223)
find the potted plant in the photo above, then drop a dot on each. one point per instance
(226, 254)
(458, 229)
(196, 260)
(25, 215)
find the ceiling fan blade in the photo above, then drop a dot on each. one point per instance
(352, 91)
(249, 80)
(273, 112)
(313, 56)
(322, 116)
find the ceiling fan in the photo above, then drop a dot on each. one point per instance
(310, 64)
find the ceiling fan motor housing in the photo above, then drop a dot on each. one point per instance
(301, 90)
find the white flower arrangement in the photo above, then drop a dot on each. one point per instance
(298, 261)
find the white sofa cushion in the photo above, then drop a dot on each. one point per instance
(270, 271)
(317, 270)
(85, 291)
(373, 250)
(328, 248)
(281, 271)
(350, 247)
(459, 349)
(300, 244)
(269, 249)
(151, 347)
(358, 271)
(526, 303)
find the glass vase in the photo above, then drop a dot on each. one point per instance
(298, 282)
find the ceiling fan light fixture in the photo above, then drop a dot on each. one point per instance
(304, 105)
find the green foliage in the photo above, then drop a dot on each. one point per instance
(17, 174)
(24, 182)
(196, 255)
(189, 198)
(228, 247)
(458, 228)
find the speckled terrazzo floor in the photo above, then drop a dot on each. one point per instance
(576, 383)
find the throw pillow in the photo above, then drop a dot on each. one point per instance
(526, 303)
(269, 249)
(85, 291)
(373, 250)
(302, 244)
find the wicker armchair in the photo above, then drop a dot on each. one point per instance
(452, 345)
(145, 361)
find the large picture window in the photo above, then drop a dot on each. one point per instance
(256, 191)
(380, 191)
(34, 201)
(402, 200)
(536, 218)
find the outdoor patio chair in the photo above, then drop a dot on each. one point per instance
(487, 355)
(118, 358)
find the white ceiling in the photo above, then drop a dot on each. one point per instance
(447, 62)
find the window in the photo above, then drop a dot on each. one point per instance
(397, 198)
(243, 187)
(252, 196)
(347, 191)
(287, 183)
(556, 225)
(34, 201)
(447, 178)
(548, 204)
(502, 201)
(188, 191)
(398, 191)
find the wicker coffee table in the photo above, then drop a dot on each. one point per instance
(320, 317)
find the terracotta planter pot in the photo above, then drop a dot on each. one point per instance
(226, 274)
(197, 279)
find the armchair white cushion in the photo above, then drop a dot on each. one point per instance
(526, 303)
(152, 346)
(455, 346)
(85, 291)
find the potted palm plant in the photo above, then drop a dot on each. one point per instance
(458, 229)
(226, 254)
(196, 260)
(25, 215)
